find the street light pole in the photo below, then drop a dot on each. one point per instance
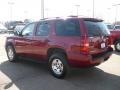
(116, 5)
(42, 9)
(46, 13)
(11, 9)
(93, 8)
(77, 11)
(26, 14)
(108, 12)
(116, 15)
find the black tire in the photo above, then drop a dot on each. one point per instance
(63, 60)
(14, 58)
(117, 45)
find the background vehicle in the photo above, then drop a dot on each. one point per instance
(3, 29)
(62, 43)
(18, 28)
(117, 27)
(110, 26)
(12, 24)
(115, 36)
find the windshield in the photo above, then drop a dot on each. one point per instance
(110, 27)
(97, 28)
(117, 27)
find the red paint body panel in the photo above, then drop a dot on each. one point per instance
(115, 35)
(36, 47)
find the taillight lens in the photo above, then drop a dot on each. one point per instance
(81, 49)
(84, 48)
(84, 45)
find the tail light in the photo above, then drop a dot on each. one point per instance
(81, 49)
(84, 48)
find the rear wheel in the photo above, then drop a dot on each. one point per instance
(11, 53)
(58, 65)
(117, 45)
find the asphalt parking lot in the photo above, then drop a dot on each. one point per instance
(25, 75)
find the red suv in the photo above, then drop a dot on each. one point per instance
(115, 36)
(62, 43)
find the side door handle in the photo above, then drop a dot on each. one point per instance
(46, 40)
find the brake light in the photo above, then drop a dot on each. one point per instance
(86, 44)
(84, 48)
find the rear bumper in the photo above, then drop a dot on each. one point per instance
(102, 56)
(82, 60)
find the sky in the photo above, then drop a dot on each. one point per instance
(31, 9)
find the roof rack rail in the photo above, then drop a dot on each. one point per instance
(50, 18)
(43, 18)
(72, 16)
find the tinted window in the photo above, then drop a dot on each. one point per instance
(110, 27)
(68, 28)
(28, 30)
(117, 27)
(96, 28)
(43, 29)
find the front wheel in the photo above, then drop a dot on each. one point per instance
(58, 65)
(117, 45)
(11, 53)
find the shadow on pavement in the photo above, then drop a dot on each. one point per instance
(33, 76)
(117, 53)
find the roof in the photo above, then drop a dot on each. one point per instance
(74, 17)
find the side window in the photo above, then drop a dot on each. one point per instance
(117, 27)
(60, 27)
(68, 28)
(43, 29)
(28, 31)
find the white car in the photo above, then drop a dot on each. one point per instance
(117, 27)
(3, 29)
(110, 27)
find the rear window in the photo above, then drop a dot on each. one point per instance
(97, 28)
(68, 28)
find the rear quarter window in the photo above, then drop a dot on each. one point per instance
(68, 28)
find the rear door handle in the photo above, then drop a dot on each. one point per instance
(47, 40)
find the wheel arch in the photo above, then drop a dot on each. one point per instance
(118, 39)
(56, 50)
(9, 43)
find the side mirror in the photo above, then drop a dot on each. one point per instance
(18, 33)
